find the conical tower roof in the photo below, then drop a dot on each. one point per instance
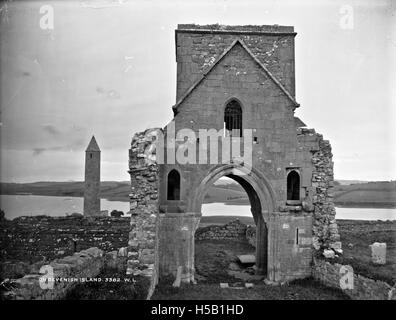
(93, 145)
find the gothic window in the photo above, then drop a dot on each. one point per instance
(293, 185)
(173, 185)
(233, 119)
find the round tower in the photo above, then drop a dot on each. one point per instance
(92, 179)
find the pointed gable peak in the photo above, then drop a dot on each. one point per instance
(93, 145)
(237, 41)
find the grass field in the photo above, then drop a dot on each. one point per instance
(212, 259)
(356, 236)
(109, 290)
(306, 289)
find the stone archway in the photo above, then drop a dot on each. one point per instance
(261, 198)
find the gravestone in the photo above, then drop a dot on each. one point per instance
(378, 253)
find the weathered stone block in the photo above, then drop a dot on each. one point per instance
(378, 253)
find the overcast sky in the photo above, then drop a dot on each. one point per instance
(108, 68)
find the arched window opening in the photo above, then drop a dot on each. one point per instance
(233, 119)
(173, 185)
(293, 185)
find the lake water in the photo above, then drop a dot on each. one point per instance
(341, 213)
(29, 205)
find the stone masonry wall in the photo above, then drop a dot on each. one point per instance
(232, 230)
(38, 238)
(324, 226)
(362, 288)
(319, 197)
(251, 235)
(143, 170)
(197, 50)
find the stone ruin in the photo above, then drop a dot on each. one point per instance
(233, 77)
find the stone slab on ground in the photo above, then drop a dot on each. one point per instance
(245, 276)
(247, 258)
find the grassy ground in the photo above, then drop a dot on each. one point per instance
(212, 259)
(124, 289)
(356, 236)
(306, 289)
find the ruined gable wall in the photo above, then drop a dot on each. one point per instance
(325, 231)
(265, 108)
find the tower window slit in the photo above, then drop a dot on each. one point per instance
(173, 185)
(233, 119)
(293, 185)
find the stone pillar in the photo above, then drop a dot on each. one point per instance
(261, 247)
(273, 249)
(176, 245)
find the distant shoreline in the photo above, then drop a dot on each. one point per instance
(363, 205)
(366, 205)
(375, 195)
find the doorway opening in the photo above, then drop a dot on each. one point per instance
(231, 240)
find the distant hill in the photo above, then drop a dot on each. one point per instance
(348, 182)
(228, 193)
(220, 220)
(110, 190)
(381, 194)
(369, 194)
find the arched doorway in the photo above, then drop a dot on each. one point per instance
(261, 198)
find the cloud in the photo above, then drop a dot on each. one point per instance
(38, 151)
(76, 145)
(111, 94)
(51, 130)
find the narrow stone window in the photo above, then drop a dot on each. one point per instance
(297, 235)
(90, 155)
(293, 185)
(233, 119)
(173, 185)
